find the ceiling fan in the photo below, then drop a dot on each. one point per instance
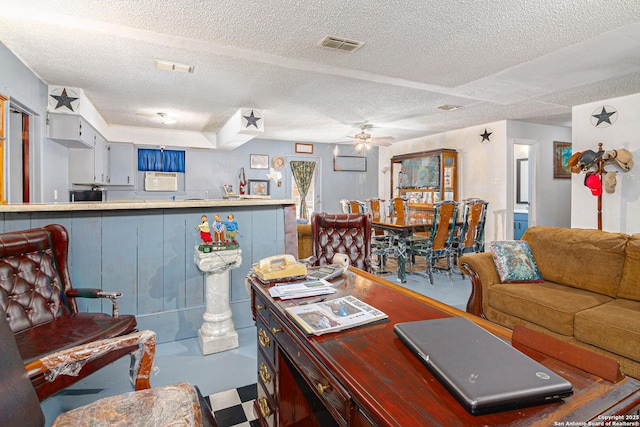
(364, 141)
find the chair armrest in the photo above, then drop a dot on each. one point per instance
(482, 271)
(96, 293)
(71, 361)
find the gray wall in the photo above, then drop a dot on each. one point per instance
(208, 170)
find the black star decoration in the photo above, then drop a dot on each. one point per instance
(603, 116)
(485, 136)
(252, 120)
(64, 100)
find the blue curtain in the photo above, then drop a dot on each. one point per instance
(160, 160)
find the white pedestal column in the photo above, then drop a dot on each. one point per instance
(217, 332)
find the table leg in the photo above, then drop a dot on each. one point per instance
(402, 259)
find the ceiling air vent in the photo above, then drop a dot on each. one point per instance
(172, 66)
(340, 43)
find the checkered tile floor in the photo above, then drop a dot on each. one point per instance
(234, 408)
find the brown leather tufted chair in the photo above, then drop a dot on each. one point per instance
(39, 300)
(342, 233)
(179, 404)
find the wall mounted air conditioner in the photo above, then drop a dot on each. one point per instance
(161, 181)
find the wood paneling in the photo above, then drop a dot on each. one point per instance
(148, 255)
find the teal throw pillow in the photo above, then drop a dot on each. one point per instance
(515, 262)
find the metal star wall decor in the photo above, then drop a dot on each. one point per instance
(64, 100)
(605, 117)
(485, 136)
(252, 120)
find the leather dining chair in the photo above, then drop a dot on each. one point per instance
(349, 234)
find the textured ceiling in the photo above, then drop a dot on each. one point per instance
(529, 60)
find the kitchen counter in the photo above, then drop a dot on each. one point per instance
(140, 204)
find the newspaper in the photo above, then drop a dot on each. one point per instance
(307, 288)
(334, 315)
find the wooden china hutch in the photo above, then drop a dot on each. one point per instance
(425, 178)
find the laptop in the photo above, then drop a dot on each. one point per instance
(483, 372)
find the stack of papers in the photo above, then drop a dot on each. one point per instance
(301, 289)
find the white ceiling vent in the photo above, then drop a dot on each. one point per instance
(172, 66)
(340, 43)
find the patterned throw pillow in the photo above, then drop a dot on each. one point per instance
(515, 262)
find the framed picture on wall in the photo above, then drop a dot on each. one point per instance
(561, 154)
(259, 161)
(259, 187)
(304, 148)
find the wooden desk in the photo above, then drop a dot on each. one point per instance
(403, 229)
(366, 377)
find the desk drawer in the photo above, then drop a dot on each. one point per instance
(335, 398)
(266, 374)
(261, 308)
(265, 408)
(266, 342)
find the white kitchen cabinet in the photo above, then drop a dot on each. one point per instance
(89, 166)
(121, 163)
(70, 130)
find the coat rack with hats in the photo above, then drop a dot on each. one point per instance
(592, 164)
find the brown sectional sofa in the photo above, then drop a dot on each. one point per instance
(590, 296)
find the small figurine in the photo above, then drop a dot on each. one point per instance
(205, 231)
(218, 230)
(231, 229)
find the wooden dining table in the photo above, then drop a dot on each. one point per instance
(403, 228)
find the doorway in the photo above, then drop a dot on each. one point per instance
(18, 157)
(3, 140)
(314, 195)
(522, 192)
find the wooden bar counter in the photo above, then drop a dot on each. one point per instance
(145, 249)
(365, 376)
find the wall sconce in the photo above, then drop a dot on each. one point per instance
(384, 169)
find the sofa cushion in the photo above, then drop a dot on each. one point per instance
(547, 304)
(581, 258)
(630, 281)
(614, 326)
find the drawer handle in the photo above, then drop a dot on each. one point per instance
(264, 339)
(322, 388)
(265, 411)
(264, 374)
(260, 307)
(275, 330)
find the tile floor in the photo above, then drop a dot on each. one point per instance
(231, 386)
(234, 407)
